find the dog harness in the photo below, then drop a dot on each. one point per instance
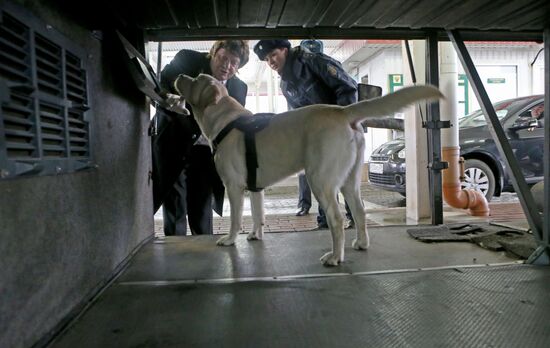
(249, 125)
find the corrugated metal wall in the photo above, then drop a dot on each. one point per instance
(63, 236)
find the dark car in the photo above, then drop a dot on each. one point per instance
(523, 122)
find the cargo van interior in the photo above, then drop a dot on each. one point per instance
(81, 265)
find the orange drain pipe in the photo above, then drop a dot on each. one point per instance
(453, 194)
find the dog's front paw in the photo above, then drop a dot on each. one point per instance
(329, 259)
(226, 240)
(255, 235)
(360, 244)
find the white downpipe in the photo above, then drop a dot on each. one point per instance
(448, 84)
(450, 150)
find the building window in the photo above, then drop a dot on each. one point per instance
(44, 111)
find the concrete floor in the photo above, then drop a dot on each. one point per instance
(188, 292)
(463, 307)
(383, 208)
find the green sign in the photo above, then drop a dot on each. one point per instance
(496, 80)
(395, 82)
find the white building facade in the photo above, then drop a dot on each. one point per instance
(507, 69)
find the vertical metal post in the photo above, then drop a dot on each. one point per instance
(159, 59)
(546, 159)
(495, 128)
(159, 68)
(410, 60)
(434, 132)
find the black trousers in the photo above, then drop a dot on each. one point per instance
(304, 200)
(174, 208)
(191, 196)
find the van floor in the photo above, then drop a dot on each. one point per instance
(188, 292)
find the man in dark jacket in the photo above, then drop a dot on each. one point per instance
(308, 78)
(185, 180)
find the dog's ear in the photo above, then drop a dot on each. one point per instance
(211, 94)
(182, 84)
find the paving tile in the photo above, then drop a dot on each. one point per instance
(383, 208)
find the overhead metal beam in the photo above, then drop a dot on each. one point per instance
(501, 141)
(191, 34)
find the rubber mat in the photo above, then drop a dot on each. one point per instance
(444, 233)
(492, 237)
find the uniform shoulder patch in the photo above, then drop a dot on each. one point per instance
(332, 70)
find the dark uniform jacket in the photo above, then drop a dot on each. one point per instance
(315, 78)
(177, 133)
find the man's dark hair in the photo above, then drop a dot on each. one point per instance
(239, 48)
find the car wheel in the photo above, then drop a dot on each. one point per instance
(479, 177)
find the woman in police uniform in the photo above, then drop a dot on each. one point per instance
(308, 78)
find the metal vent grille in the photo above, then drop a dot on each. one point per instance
(76, 80)
(383, 179)
(78, 134)
(76, 93)
(43, 99)
(19, 127)
(382, 158)
(48, 66)
(14, 50)
(52, 128)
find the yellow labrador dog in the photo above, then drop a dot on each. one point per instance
(324, 140)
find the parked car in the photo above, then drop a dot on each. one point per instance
(523, 122)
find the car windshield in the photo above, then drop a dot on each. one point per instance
(502, 109)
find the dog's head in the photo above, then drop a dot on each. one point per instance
(200, 92)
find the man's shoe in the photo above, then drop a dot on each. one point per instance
(322, 226)
(302, 212)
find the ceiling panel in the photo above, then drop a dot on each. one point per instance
(378, 14)
(336, 12)
(298, 12)
(255, 13)
(418, 12)
(176, 19)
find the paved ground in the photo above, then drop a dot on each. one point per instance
(383, 208)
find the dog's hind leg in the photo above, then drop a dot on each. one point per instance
(258, 217)
(335, 220)
(236, 199)
(352, 194)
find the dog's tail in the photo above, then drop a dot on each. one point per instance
(391, 103)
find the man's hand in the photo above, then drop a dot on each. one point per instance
(176, 103)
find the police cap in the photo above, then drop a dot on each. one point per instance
(264, 47)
